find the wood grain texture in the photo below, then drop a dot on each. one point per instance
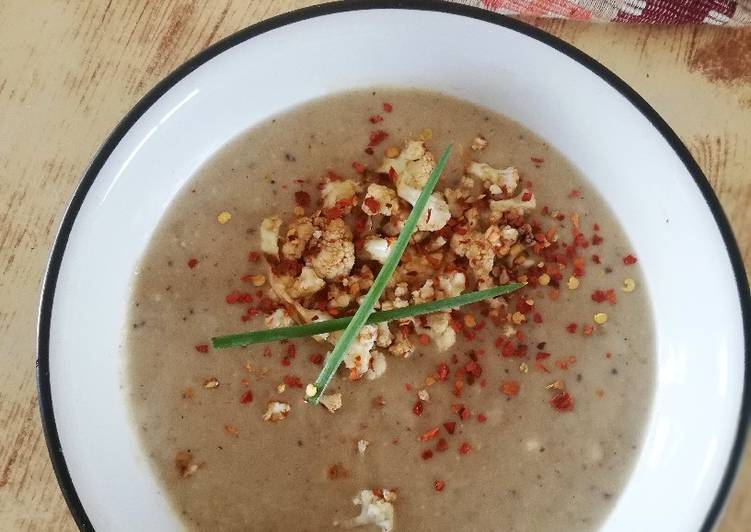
(69, 70)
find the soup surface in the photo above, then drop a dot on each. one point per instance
(531, 420)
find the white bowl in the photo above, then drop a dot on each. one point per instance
(695, 277)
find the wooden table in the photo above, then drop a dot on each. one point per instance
(70, 69)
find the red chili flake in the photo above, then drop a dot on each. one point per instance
(598, 296)
(473, 368)
(464, 413)
(427, 454)
(629, 259)
(537, 317)
(526, 196)
(254, 256)
(597, 240)
(374, 119)
(285, 361)
(465, 448)
(571, 327)
(202, 348)
(369, 150)
(450, 426)
(539, 366)
(438, 485)
(562, 402)
(596, 227)
(393, 176)
(574, 194)
(510, 388)
(232, 297)
(291, 351)
(612, 299)
(482, 418)
(302, 198)
(588, 330)
(442, 445)
(192, 263)
(292, 381)
(387, 107)
(316, 358)
(246, 398)
(359, 167)
(376, 137)
(418, 408)
(541, 355)
(596, 259)
(423, 339)
(429, 434)
(537, 161)
(443, 371)
(372, 204)
(408, 387)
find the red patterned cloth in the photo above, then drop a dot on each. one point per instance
(718, 12)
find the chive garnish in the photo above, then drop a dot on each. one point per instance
(338, 324)
(379, 284)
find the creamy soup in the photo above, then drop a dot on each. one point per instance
(527, 414)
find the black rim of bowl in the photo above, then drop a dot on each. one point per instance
(58, 249)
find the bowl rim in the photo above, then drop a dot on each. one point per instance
(58, 248)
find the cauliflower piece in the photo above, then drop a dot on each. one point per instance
(437, 243)
(279, 288)
(336, 191)
(279, 318)
(276, 411)
(337, 297)
(336, 252)
(380, 199)
(402, 346)
(509, 234)
(306, 285)
(358, 357)
(479, 143)
(332, 401)
(270, 235)
(438, 328)
(478, 250)
(377, 249)
(507, 179)
(452, 284)
(362, 446)
(374, 510)
(299, 233)
(437, 212)
(424, 294)
(413, 167)
(516, 204)
(384, 337)
(378, 364)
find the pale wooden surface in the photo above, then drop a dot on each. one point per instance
(69, 70)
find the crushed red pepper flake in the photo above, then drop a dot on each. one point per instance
(374, 119)
(359, 167)
(387, 107)
(192, 263)
(376, 137)
(254, 256)
(427, 454)
(562, 401)
(316, 358)
(571, 327)
(429, 434)
(629, 259)
(438, 485)
(202, 348)
(482, 418)
(292, 381)
(418, 408)
(465, 448)
(510, 388)
(450, 427)
(246, 398)
(441, 445)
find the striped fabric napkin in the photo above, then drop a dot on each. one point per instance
(718, 12)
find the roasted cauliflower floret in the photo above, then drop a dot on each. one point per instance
(299, 233)
(507, 178)
(384, 337)
(380, 199)
(375, 248)
(374, 510)
(438, 328)
(335, 253)
(344, 191)
(452, 284)
(401, 346)
(377, 365)
(270, 235)
(479, 252)
(279, 318)
(358, 356)
(424, 294)
(520, 204)
(307, 284)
